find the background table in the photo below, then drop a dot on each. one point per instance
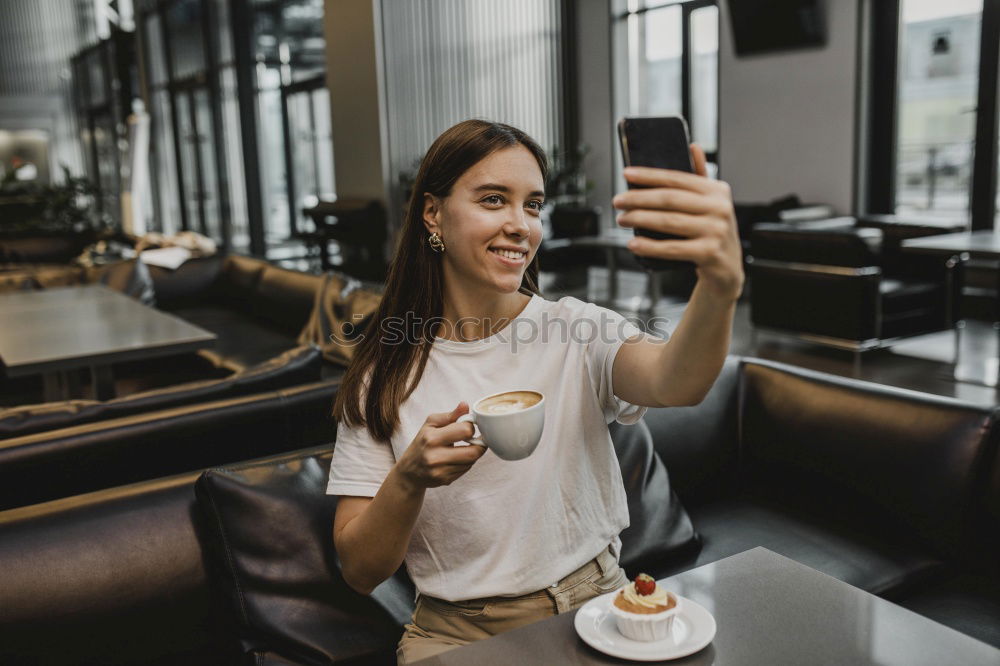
(611, 242)
(55, 331)
(978, 244)
(770, 610)
(984, 244)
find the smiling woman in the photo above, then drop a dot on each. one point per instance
(494, 541)
(463, 192)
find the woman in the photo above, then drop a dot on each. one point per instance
(491, 544)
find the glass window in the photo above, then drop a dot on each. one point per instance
(154, 47)
(205, 140)
(187, 40)
(705, 78)
(271, 149)
(189, 161)
(290, 52)
(936, 106)
(233, 145)
(96, 81)
(323, 145)
(106, 145)
(300, 119)
(311, 149)
(655, 47)
(652, 40)
(224, 32)
(162, 149)
(203, 172)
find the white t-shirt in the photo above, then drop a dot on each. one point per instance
(510, 528)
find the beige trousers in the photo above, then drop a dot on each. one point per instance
(443, 625)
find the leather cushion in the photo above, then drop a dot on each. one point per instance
(130, 277)
(188, 283)
(142, 375)
(40, 277)
(914, 322)
(802, 301)
(660, 530)
(285, 298)
(970, 604)
(899, 297)
(241, 338)
(237, 283)
(114, 577)
(892, 456)
(342, 310)
(699, 444)
(871, 560)
(272, 548)
(843, 246)
(297, 366)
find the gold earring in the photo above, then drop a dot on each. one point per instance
(434, 240)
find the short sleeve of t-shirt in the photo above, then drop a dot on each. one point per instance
(360, 464)
(608, 333)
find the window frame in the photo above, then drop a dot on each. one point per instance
(687, 7)
(883, 88)
(207, 79)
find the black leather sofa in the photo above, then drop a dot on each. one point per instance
(257, 310)
(148, 444)
(893, 491)
(838, 284)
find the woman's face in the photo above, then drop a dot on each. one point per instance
(490, 221)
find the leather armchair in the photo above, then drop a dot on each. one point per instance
(832, 284)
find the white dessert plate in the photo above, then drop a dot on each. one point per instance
(694, 628)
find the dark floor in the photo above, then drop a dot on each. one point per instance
(926, 363)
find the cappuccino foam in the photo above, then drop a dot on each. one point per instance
(505, 403)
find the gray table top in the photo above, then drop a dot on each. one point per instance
(769, 610)
(978, 243)
(73, 327)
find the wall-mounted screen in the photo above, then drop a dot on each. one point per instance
(762, 26)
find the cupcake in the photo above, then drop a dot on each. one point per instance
(645, 611)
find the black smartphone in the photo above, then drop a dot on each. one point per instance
(662, 143)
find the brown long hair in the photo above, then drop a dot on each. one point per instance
(385, 372)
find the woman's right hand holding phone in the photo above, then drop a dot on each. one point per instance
(432, 459)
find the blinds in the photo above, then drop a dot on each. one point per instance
(449, 60)
(37, 38)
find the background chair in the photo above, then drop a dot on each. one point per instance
(830, 282)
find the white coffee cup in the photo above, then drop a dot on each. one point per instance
(508, 427)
